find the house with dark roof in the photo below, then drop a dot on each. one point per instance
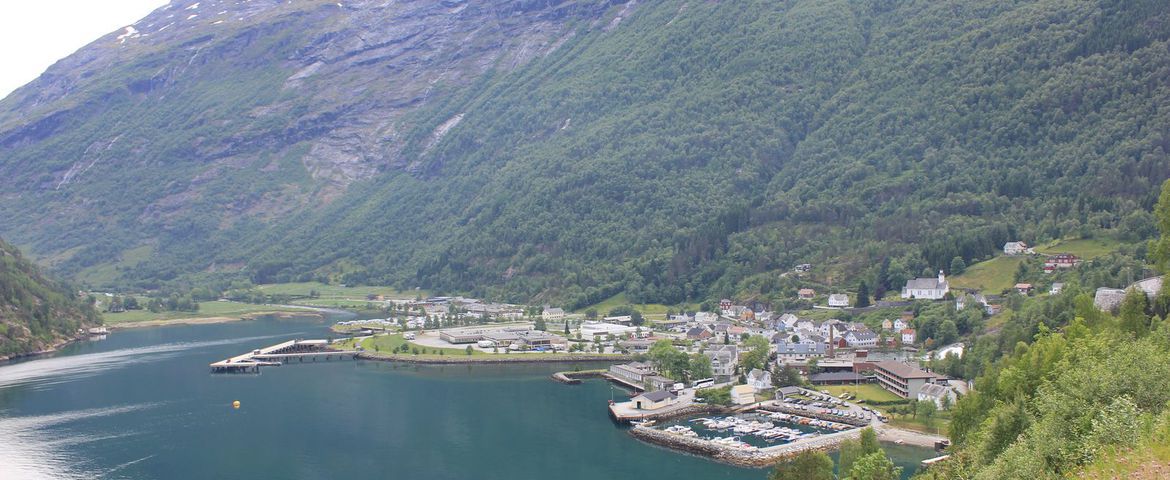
(698, 333)
(654, 400)
(787, 352)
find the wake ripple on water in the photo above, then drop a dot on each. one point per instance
(31, 450)
(55, 370)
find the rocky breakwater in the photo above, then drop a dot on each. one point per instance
(753, 457)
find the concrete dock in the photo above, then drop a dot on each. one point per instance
(281, 353)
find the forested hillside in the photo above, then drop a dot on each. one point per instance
(1082, 393)
(35, 312)
(674, 150)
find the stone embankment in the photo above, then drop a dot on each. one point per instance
(574, 378)
(694, 409)
(755, 458)
(492, 359)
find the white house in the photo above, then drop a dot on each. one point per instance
(1056, 288)
(900, 325)
(861, 339)
(760, 380)
(743, 394)
(927, 288)
(724, 358)
(936, 393)
(1016, 248)
(839, 300)
(908, 336)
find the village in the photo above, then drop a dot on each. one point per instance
(739, 383)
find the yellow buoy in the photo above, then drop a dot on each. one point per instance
(236, 404)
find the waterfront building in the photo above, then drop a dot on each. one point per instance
(654, 400)
(902, 379)
(634, 373)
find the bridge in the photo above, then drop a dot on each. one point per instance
(281, 353)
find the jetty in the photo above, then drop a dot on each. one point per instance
(286, 352)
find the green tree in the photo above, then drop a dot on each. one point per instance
(1132, 316)
(958, 266)
(756, 355)
(806, 465)
(786, 376)
(540, 324)
(670, 361)
(875, 466)
(1160, 249)
(700, 366)
(926, 409)
(862, 295)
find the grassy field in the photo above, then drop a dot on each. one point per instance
(390, 343)
(206, 310)
(655, 309)
(867, 392)
(107, 273)
(338, 292)
(940, 424)
(991, 276)
(1087, 249)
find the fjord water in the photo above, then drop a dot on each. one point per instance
(141, 404)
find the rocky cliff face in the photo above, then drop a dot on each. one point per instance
(215, 112)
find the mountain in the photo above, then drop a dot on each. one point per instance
(36, 312)
(544, 150)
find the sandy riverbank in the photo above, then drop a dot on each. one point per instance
(211, 320)
(907, 437)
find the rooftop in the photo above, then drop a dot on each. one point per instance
(903, 370)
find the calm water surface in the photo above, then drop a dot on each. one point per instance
(141, 405)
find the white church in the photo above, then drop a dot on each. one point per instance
(927, 288)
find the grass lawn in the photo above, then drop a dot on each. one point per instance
(865, 391)
(940, 425)
(390, 344)
(337, 291)
(991, 276)
(206, 309)
(620, 299)
(1085, 248)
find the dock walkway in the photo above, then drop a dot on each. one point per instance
(284, 352)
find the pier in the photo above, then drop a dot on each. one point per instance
(298, 351)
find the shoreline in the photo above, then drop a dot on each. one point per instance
(51, 349)
(453, 360)
(211, 320)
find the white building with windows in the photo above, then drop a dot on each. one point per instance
(927, 288)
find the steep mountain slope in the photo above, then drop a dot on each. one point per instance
(35, 312)
(572, 150)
